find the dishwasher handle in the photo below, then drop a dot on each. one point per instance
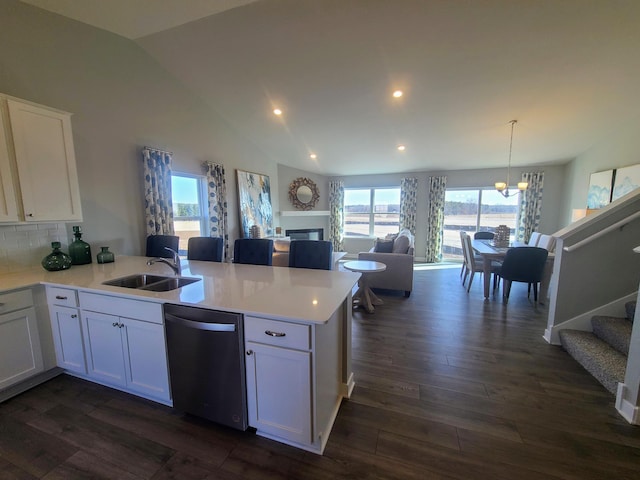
(211, 327)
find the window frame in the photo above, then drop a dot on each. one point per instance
(479, 214)
(203, 218)
(372, 211)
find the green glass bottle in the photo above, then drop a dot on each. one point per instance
(56, 260)
(79, 250)
(105, 256)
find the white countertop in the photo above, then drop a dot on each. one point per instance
(273, 292)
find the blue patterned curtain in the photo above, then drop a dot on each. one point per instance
(408, 203)
(217, 196)
(435, 218)
(530, 206)
(158, 208)
(336, 218)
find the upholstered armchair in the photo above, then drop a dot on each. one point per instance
(398, 257)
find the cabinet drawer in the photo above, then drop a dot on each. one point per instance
(274, 332)
(10, 302)
(122, 307)
(62, 296)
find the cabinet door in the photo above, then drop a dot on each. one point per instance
(279, 391)
(46, 162)
(103, 342)
(67, 338)
(145, 358)
(8, 206)
(20, 354)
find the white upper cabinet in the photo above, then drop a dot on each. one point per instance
(8, 206)
(39, 146)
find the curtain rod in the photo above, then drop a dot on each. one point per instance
(158, 150)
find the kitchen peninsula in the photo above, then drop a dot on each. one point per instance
(310, 366)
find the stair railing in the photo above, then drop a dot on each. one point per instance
(603, 232)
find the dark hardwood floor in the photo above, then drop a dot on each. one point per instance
(447, 387)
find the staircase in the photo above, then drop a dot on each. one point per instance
(603, 352)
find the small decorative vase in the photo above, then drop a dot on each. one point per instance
(254, 231)
(105, 256)
(79, 250)
(56, 260)
(501, 236)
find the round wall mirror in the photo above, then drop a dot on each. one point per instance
(303, 193)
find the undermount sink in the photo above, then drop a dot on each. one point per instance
(154, 283)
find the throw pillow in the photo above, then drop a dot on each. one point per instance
(383, 246)
(401, 244)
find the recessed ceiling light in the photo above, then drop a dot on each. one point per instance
(277, 111)
(397, 93)
(313, 156)
(401, 148)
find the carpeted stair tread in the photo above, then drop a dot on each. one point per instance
(605, 363)
(616, 331)
(630, 308)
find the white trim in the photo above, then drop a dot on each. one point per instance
(583, 321)
(602, 232)
(628, 411)
(304, 213)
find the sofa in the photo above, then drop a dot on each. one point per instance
(399, 262)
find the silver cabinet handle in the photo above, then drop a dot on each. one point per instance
(275, 334)
(249, 352)
(74, 316)
(60, 297)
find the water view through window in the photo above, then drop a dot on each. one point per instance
(475, 211)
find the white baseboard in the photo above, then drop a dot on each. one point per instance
(583, 321)
(628, 411)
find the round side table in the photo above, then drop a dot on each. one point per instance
(364, 297)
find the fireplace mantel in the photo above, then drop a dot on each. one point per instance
(304, 213)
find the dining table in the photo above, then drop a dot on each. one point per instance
(495, 253)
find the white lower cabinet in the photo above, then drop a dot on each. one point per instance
(67, 338)
(279, 391)
(66, 329)
(122, 351)
(279, 379)
(20, 352)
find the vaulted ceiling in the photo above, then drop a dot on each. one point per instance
(567, 70)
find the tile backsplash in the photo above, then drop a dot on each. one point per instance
(25, 245)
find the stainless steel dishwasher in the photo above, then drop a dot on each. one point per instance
(206, 363)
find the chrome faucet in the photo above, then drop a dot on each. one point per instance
(175, 266)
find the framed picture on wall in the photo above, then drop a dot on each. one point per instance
(627, 180)
(599, 193)
(254, 203)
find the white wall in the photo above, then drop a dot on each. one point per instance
(122, 100)
(286, 175)
(551, 205)
(615, 149)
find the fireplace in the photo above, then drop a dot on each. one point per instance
(305, 234)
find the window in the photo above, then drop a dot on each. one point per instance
(473, 211)
(190, 218)
(371, 212)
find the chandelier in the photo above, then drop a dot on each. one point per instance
(503, 187)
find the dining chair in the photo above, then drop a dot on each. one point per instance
(253, 251)
(464, 261)
(208, 249)
(534, 239)
(547, 242)
(317, 254)
(522, 264)
(483, 236)
(474, 264)
(156, 245)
